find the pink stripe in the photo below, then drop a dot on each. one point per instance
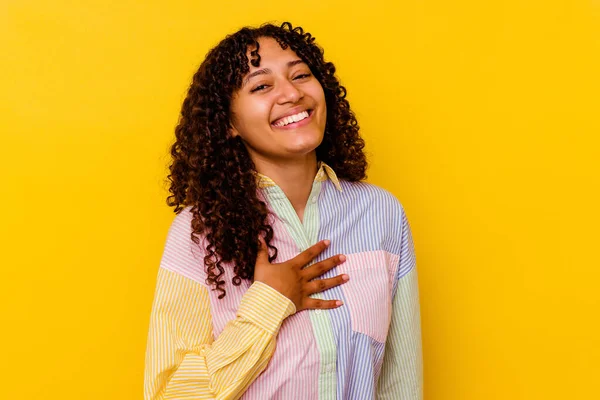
(179, 255)
(294, 367)
(370, 307)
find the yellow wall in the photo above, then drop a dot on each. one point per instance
(482, 117)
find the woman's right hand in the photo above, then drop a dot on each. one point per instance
(295, 282)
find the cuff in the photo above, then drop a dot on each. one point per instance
(265, 306)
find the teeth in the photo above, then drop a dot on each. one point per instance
(292, 118)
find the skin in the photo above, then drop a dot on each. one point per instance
(296, 282)
(288, 157)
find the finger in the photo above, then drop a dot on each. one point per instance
(311, 303)
(324, 284)
(321, 267)
(307, 255)
(263, 252)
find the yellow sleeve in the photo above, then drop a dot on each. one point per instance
(183, 361)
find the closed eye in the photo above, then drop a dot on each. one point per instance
(259, 87)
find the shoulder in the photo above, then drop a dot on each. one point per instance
(183, 220)
(180, 230)
(181, 254)
(374, 196)
(379, 208)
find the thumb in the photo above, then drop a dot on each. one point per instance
(263, 252)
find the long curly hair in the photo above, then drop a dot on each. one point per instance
(212, 172)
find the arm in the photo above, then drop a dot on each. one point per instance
(401, 375)
(182, 359)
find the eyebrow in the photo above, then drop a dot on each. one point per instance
(264, 71)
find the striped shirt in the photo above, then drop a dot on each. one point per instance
(252, 344)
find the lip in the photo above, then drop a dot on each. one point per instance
(298, 124)
(293, 111)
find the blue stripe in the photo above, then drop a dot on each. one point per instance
(363, 217)
(407, 257)
(365, 353)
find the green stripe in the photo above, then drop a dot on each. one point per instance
(403, 360)
(305, 234)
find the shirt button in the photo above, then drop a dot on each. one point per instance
(317, 312)
(330, 368)
(314, 199)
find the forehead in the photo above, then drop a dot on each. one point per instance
(270, 53)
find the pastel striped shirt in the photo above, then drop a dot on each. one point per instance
(252, 344)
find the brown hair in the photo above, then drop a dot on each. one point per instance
(211, 171)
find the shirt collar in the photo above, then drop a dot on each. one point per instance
(324, 172)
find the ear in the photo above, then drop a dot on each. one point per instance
(233, 131)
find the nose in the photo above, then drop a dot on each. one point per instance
(288, 92)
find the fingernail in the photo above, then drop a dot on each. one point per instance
(345, 277)
(342, 258)
(327, 241)
(338, 303)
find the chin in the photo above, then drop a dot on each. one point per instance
(302, 147)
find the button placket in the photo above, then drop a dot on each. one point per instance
(305, 234)
(321, 318)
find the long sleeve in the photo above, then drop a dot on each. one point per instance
(401, 375)
(183, 361)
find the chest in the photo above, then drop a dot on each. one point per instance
(345, 345)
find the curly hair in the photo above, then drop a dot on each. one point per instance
(212, 171)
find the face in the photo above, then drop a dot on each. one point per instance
(280, 110)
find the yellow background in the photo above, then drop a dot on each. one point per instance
(482, 117)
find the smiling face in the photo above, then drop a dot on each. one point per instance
(280, 111)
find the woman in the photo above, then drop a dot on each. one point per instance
(284, 276)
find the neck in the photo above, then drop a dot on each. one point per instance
(294, 177)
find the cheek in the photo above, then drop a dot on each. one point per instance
(251, 116)
(317, 93)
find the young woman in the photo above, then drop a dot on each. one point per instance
(284, 274)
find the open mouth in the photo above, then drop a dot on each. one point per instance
(293, 121)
